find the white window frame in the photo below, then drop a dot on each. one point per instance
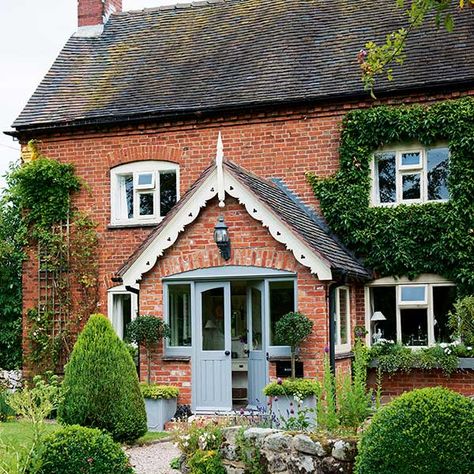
(403, 170)
(118, 207)
(428, 280)
(112, 307)
(342, 348)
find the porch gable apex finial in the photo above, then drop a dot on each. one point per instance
(220, 171)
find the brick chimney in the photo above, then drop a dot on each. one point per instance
(96, 12)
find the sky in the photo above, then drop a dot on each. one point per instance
(32, 32)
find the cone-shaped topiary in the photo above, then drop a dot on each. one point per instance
(101, 385)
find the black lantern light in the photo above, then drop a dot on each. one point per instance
(221, 238)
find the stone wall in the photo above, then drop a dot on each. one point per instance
(289, 453)
(11, 379)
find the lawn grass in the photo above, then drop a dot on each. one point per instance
(17, 437)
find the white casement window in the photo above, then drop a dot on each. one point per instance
(143, 191)
(123, 306)
(410, 175)
(343, 320)
(411, 313)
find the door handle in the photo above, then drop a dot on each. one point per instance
(227, 353)
(267, 356)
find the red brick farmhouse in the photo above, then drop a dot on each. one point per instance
(184, 118)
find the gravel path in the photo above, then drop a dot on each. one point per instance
(153, 458)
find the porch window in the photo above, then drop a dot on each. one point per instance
(179, 315)
(415, 314)
(282, 301)
(122, 309)
(343, 320)
(143, 192)
(410, 175)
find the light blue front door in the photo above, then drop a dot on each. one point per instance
(257, 360)
(212, 371)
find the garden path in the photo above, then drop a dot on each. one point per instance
(153, 458)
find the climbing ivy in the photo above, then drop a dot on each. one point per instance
(405, 239)
(66, 241)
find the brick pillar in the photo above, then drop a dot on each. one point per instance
(96, 12)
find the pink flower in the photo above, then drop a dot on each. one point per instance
(279, 381)
(326, 349)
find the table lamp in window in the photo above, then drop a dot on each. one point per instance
(377, 333)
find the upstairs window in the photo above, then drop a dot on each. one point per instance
(410, 176)
(143, 192)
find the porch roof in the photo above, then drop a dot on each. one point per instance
(308, 230)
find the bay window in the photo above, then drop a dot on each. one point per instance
(413, 314)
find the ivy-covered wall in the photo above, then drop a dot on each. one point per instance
(405, 239)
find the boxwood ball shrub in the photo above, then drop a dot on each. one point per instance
(82, 450)
(101, 388)
(429, 430)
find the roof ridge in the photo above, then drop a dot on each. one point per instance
(175, 6)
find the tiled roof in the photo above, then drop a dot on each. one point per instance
(308, 227)
(293, 214)
(222, 54)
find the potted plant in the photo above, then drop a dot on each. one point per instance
(160, 401)
(291, 330)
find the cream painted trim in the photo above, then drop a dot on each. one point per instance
(423, 278)
(169, 234)
(279, 231)
(259, 211)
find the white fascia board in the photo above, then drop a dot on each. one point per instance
(277, 228)
(169, 234)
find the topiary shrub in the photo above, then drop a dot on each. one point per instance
(101, 387)
(429, 430)
(79, 449)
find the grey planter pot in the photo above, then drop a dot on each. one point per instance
(158, 412)
(282, 408)
(466, 363)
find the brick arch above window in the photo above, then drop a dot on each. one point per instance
(146, 152)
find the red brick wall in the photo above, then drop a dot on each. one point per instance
(252, 244)
(396, 384)
(283, 143)
(90, 12)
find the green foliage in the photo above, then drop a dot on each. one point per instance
(6, 411)
(326, 408)
(12, 240)
(406, 239)
(377, 60)
(291, 330)
(354, 400)
(197, 436)
(156, 392)
(303, 388)
(42, 188)
(248, 453)
(206, 462)
(147, 331)
(461, 320)
(101, 384)
(426, 430)
(79, 449)
(392, 357)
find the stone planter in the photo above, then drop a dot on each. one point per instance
(158, 412)
(285, 407)
(466, 363)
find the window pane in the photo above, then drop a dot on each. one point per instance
(414, 327)
(384, 300)
(282, 301)
(411, 186)
(168, 194)
(145, 179)
(146, 204)
(121, 313)
(257, 333)
(179, 313)
(437, 168)
(213, 320)
(413, 293)
(385, 170)
(343, 316)
(127, 182)
(443, 300)
(411, 159)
